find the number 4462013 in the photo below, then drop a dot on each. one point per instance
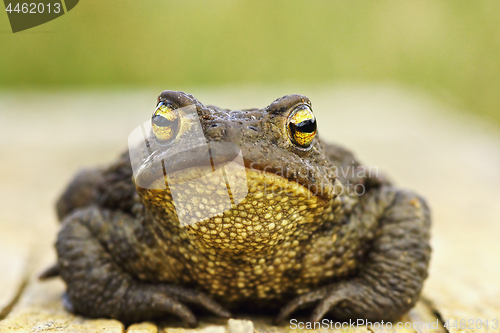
(34, 8)
(471, 324)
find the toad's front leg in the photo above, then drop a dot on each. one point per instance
(89, 247)
(391, 276)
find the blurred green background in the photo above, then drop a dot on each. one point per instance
(450, 49)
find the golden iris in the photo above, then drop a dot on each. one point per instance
(302, 126)
(165, 122)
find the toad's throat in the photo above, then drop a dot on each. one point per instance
(160, 175)
(265, 211)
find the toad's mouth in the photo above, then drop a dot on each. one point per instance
(164, 170)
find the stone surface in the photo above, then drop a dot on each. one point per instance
(240, 326)
(40, 310)
(142, 328)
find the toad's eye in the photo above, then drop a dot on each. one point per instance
(302, 126)
(165, 122)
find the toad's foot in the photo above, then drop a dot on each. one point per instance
(98, 287)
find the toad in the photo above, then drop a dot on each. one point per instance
(309, 231)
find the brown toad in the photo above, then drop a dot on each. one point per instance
(307, 231)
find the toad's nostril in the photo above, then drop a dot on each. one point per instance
(253, 128)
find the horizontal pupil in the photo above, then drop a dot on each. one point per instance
(306, 126)
(161, 121)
